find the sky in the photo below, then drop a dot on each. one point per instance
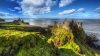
(78, 9)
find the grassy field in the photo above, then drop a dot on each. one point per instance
(58, 42)
(12, 24)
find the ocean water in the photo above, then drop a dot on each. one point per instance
(92, 27)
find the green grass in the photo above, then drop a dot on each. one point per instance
(61, 42)
(11, 24)
(21, 43)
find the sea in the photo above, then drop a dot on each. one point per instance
(92, 26)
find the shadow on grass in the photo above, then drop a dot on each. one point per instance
(66, 52)
(27, 29)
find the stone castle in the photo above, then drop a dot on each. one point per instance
(68, 24)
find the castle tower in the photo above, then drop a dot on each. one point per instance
(66, 24)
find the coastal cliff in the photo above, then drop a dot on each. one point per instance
(72, 38)
(61, 39)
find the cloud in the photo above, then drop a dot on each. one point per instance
(65, 2)
(67, 12)
(3, 14)
(97, 9)
(12, 0)
(81, 10)
(31, 7)
(71, 11)
(17, 8)
(7, 15)
(11, 9)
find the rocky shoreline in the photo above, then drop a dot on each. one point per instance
(92, 40)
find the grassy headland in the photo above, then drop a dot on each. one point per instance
(67, 39)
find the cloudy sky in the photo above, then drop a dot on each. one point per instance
(82, 9)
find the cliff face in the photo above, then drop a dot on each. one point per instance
(71, 36)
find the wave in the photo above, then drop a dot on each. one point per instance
(95, 32)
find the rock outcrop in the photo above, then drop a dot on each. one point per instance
(70, 35)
